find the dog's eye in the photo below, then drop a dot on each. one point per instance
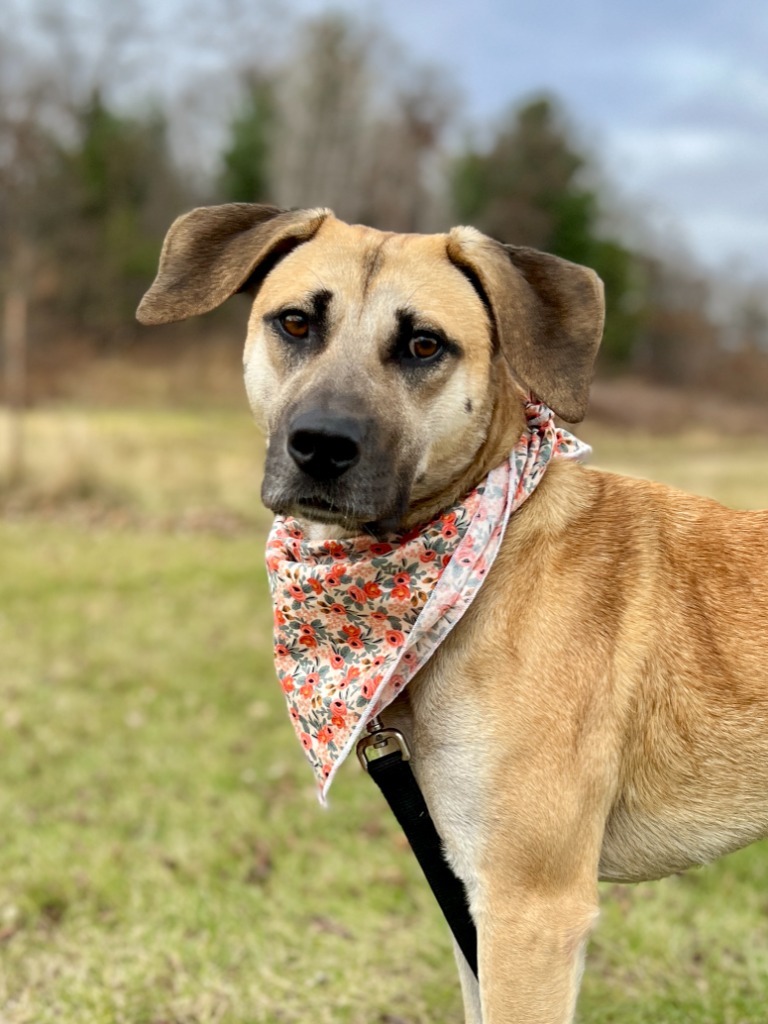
(424, 347)
(294, 324)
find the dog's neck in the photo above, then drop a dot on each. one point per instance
(506, 427)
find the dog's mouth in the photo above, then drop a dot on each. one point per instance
(320, 510)
(317, 508)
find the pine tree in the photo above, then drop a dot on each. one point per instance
(530, 187)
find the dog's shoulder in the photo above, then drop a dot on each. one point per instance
(603, 523)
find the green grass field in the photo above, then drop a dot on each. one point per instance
(163, 858)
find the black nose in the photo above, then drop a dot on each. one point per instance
(324, 446)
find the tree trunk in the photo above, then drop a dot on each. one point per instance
(15, 352)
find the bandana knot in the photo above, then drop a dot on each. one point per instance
(355, 619)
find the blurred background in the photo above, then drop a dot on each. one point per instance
(163, 859)
(635, 145)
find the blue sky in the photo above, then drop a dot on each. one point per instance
(672, 94)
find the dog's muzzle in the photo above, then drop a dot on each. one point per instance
(332, 466)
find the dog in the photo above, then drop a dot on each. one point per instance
(601, 710)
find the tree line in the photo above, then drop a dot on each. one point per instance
(90, 182)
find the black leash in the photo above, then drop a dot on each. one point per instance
(384, 754)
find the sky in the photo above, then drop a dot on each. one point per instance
(673, 93)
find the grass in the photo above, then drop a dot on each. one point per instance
(163, 858)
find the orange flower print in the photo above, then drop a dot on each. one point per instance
(357, 594)
(306, 630)
(296, 591)
(336, 660)
(287, 684)
(338, 707)
(325, 735)
(281, 651)
(380, 548)
(306, 740)
(351, 630)
(355, 644)
(316, 585)
(369, 687)
(378, 616)
(401, 590)
(335, 549)
(428, 555)
(395, 637)
(333, 579)
(372, 590)
(306, 691)
(308, 641)
(449, 531)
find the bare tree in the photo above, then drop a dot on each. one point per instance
(347, 137)
(25, 107)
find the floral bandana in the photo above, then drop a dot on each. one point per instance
(355, 619)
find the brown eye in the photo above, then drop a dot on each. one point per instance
(424, 346)
(295, 324)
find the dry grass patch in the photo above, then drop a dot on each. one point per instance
(199, 469)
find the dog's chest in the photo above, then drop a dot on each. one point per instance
(446, 738)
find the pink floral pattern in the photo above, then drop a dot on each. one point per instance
(355, 619)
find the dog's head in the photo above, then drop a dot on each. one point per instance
(386, 369)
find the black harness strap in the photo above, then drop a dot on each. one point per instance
(392, 774)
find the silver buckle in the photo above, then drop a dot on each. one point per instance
(381, 743)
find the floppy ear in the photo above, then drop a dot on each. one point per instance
(548, 315)
(213, 251)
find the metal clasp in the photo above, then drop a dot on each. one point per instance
(380, 742)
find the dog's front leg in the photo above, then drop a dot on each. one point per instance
(522, 824)
(535, 896)
(530, 869)
(470, 990)
(531, 953)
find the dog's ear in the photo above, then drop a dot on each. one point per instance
(547, 314)
(214, 251)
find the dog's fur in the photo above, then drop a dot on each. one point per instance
(601, 712)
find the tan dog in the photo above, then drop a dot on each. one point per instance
(601, 712)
